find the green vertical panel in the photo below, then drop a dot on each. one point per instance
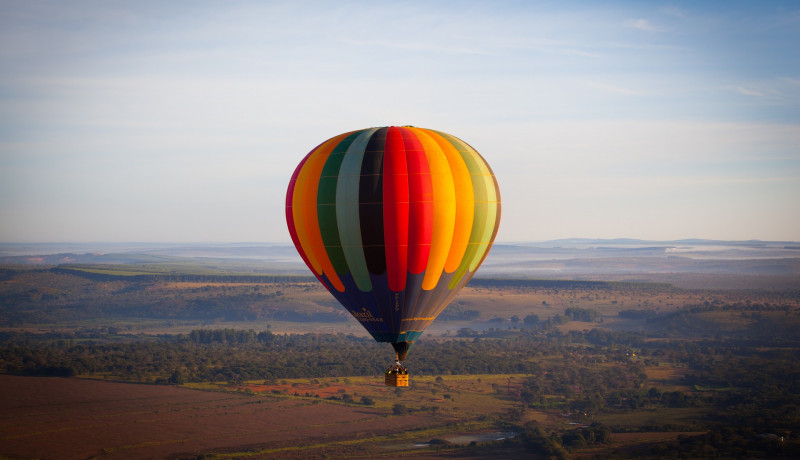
(347, 210)
(326, 205)
(491, 209)
(486, 240)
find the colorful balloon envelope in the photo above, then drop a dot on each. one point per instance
(393, 221)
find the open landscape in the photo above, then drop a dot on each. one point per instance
(419, 230)
(153, 354)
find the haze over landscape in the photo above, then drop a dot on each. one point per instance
(184, 121)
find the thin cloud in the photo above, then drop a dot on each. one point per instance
(748, 92)
(641, 24)
(413, 46)
(614, 89)
(776, 92)
(545, 45)
(674, 11)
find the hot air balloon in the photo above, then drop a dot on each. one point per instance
(393, 221)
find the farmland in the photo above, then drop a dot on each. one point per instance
(595, 401)
(253, 420)
(123, 421)
(152, 360)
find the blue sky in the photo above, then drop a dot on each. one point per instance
(183, 121)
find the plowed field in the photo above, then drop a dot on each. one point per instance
(59, 418)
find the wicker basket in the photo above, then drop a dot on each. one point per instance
(396, 380)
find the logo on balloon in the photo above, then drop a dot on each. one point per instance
(364, 316)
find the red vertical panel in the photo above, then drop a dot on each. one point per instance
(420, 193)
(395, 209)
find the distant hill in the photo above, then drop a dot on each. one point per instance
(570, 258)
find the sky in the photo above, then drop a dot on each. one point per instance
(183, 121)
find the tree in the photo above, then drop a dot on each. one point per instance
(531, 319)
(177, 378)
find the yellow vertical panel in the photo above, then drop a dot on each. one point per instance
(464, 202)
(444, 208)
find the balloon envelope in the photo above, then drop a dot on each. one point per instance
(393, 221)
